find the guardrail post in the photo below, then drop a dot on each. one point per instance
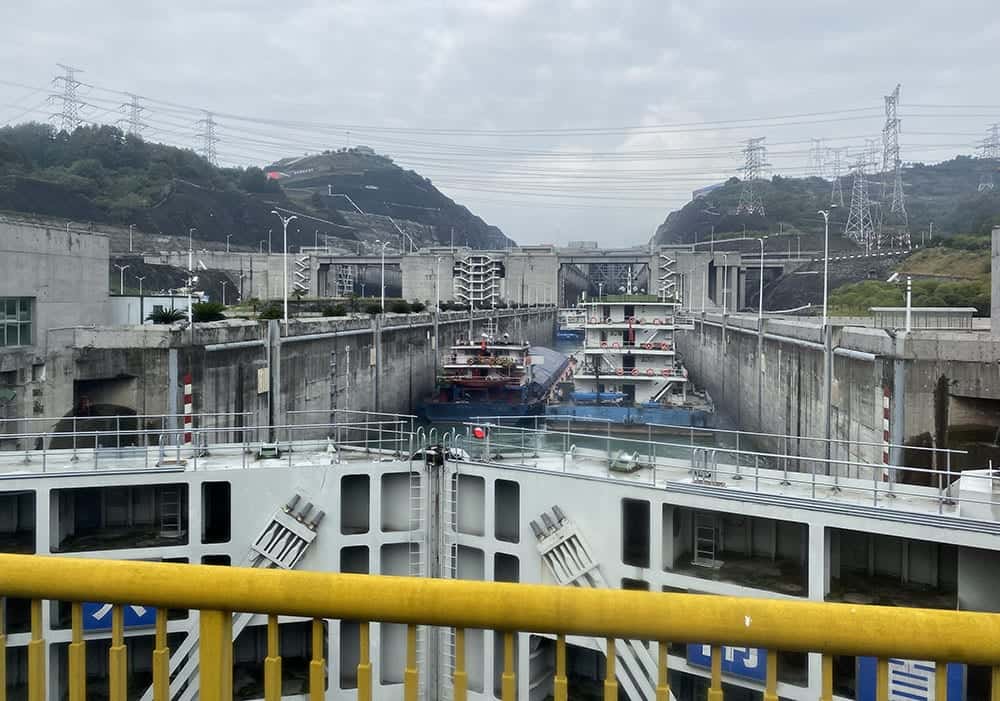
(3, 651)
(77, 656)
(117, 656)
(882, 679)
(410, 675)
(663, 678)
(826, 680)
(771, 679)
(272, 663)
(715, 690)
(36, 655)
(161, 659)
(460, 680)
(560, 686)
(610, 680)
(215, 656)
(941, 680)
(508, 682)
(364, 666)
(317, 666)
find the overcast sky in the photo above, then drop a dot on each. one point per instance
(455, 88)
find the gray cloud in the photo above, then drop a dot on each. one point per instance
(522, 65)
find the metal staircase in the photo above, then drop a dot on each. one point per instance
(345, 280)
(668, 278)
(569, 559)
(303, 271)
(280, 545)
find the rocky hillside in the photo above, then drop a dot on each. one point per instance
(97, 175)
(355, 179)
(944, 193)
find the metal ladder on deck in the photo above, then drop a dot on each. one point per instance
(171, 523)
(418, 562)
(281, 544)
(706, 531)
(569, 559)
(449, 570)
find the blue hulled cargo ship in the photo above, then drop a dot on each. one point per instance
(630, 373)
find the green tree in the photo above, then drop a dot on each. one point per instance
(208, 311)
(165, 316)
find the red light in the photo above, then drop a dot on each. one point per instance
(479, 433)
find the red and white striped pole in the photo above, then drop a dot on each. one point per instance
(188, 409)
(885, 433)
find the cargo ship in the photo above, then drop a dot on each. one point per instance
(630, 373)
(571, 323)
(494, 376)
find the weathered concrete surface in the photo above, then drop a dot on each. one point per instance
(362, 363)
(65, 273)
(995, 281)
(938, 382)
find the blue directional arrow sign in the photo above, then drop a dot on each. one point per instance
(98, 616)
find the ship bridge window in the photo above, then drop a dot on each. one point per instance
(355, 500)
(17, 522)
(119, 517)
(635, 532)
(470, 504)
(506, 568)
(216, 512)
(507, 511)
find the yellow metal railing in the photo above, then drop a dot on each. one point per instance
(829, 629)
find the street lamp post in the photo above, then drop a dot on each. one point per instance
(140, 278)
(826, 256)
(284, 260)
(437, 285)
(760, 291)
(269, 249)
(121, 277)
(827, 342)
(384, 244)
(228, 236)
(131, 230)
(725, 283)
(223, 285)
(191, 279)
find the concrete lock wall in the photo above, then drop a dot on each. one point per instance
(724, 360)
(934, 382)
(363, 363)
(262, 273)
(65, 273)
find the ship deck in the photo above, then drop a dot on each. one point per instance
(680, 464)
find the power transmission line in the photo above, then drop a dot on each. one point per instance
(837, 192)
(134, 123)
(860, 227)
(989, 150)
(751, 198)
(893, 203)
(70, 114)
(817, 159)
(209, 138)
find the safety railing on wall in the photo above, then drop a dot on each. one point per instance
(697, 455)
(765, 624)
(158, 441)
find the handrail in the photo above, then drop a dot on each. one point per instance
(829, 628)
